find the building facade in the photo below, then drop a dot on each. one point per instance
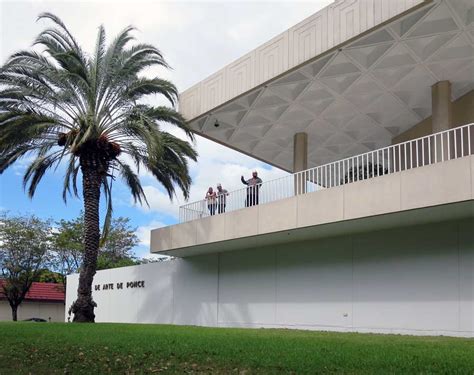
(369, 104)
(43, 301)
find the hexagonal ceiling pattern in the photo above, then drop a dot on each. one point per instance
(358, 98)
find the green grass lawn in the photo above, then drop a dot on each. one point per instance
(49, 348)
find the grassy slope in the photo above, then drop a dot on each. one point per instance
(124, 348)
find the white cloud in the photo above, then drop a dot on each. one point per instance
(143, 232)
(159, 201)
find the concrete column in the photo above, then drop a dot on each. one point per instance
(442, 117)
(442, 113)
(300, 161)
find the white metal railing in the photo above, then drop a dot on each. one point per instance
(439, 147)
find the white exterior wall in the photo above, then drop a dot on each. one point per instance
(176, 292)
(27, 310)
(416, 280)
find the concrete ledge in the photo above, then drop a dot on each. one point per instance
(375, 196)
(241, 223)
(440, 183)
(161, 239)
(184, 234)
(210, 229)
(321, 207)
(277, 217)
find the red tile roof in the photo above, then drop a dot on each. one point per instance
(46, 292)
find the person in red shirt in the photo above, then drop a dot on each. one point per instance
(211, 200)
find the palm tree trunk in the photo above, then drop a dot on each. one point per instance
(83, 307)
(14, 312)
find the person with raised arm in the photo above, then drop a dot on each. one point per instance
(253, 186)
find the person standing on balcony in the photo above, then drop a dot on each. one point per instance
(253, 185)
(211, 201)
(221, 199)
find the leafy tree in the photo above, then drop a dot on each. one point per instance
(45, 275)
(119, 242)
(68, 246)
(104, 262)
(24, 251)
(363, 172)
(86, 111)
(115, 251)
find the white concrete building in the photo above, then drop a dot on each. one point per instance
(369, 104)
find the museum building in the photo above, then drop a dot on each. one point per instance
(369, 105)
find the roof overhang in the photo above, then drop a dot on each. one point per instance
(350, 76)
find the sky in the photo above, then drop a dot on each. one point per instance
(197, 38)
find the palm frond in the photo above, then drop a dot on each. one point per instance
(145, 86)
(107, 188)
(133, 182)
(70, 178)
(36, 170)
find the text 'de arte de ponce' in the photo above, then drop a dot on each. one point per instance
(120, 285)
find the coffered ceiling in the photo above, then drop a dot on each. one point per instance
(357, 97)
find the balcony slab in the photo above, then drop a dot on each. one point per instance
(321, 207)
(440, 183)
(277, 217)
(443, 191)
(210, 229)
(374, 196)
(184, 234)
(161, 238)
(241, 223)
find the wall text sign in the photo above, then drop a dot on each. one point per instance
(121, 285)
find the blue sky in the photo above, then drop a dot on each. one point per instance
(197, 39)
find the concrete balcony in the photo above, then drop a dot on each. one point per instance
(439, 187)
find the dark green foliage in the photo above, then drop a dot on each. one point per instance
(363, 172)
(68, 246)
(115, 251)
(105, 262)
(47, 276)
(25, 249)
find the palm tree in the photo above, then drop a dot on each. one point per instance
(86, 114)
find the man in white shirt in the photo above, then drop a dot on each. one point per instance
(221, 199)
